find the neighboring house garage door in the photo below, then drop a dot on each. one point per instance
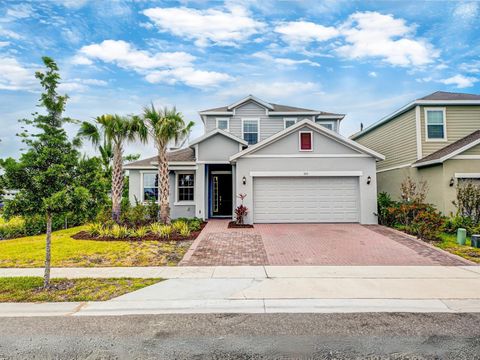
(306, 199)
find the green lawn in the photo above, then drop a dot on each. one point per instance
(449, 243)
(67, 252)
(29, 289)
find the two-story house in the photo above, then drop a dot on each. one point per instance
(435, 138)
(291, 163)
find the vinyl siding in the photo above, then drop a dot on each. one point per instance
(269, 125)
(473, 151)
(396, 140)
(461, 121)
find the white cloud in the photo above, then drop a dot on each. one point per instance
(4, 43)
(80, 85)
(188, 76)
(303, 32)
(206, 27)
(466, 11)
(10, 34)
(371, 34)
(124, 55)
(14, 76)
(460, 81)
(272, 91)
(471, 67)
(19, 11)
(284, 61)
(160, 67)
(73, 4)
(372, 74)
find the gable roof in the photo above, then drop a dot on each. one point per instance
(450, 151)
(215, 132)
(321, 129)
(436, 98)
(273, 109)
(175, 156)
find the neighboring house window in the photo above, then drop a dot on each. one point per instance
(250, 130)
(185, 187)
(435, 123)
(287, 122)
(150, 187)
(306, 140)
(328, 125)
(223, 124)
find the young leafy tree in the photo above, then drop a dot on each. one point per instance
(115, 130)
(45, 172)
(165, 125)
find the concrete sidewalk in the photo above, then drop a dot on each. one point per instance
(274, 289)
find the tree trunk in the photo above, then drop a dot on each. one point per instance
(164, 185)
(46, 277)
(117, 182)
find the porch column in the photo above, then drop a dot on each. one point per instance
(200, 194)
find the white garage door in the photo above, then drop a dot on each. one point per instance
(305, 199)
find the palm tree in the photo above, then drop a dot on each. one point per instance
(165, 125)
(115, 130)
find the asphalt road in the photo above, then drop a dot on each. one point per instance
(258, 336)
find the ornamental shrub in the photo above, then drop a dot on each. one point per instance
(468, 201)
(428, 224)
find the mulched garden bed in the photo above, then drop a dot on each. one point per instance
(84, 235)
(234, 225)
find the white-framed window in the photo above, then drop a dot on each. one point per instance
(330, 125)
(223, 124)
(185, 187)
(287, 122)
(251, 130)
(305, 141)
(435, 124)
(149, 186)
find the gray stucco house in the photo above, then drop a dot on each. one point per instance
(291, 162)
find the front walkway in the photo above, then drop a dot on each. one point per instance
(312, 244)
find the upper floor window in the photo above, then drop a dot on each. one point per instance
(223, 124)
(287, 122)
(150, 187)
(250, 130)
(330, 125)
(185, 187)
(435, 124)
(306, 140)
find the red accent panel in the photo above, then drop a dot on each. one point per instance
(305, 141)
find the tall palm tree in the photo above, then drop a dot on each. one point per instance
(115, 130)
(164, 126)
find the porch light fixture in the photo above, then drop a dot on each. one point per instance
(244, 180)
(452, 181)
(369, 180)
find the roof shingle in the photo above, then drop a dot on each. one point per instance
(444, 95)
(449, 149)
(181, 155)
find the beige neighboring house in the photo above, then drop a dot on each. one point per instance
(435, 138)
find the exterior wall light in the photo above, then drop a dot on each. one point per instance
(369, 180)
(244, 180)
(452, 181)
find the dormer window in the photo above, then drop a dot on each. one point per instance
(330, 125)
(305, 140)
(223, 124)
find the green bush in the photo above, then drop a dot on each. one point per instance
(139, 232)
(458, 221)
(428, 224)
(183, 229)
(119, 232)
(94, 229)
(14, 227)
(385, 203)
(179, 224)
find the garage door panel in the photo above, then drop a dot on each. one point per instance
(312, 199)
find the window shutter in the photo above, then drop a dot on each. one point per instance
(306, 141)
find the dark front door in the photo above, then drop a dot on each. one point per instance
(221, 194)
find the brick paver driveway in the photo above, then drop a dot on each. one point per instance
(311, 244)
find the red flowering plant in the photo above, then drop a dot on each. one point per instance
(241, 211)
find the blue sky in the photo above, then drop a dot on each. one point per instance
(364, 59)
